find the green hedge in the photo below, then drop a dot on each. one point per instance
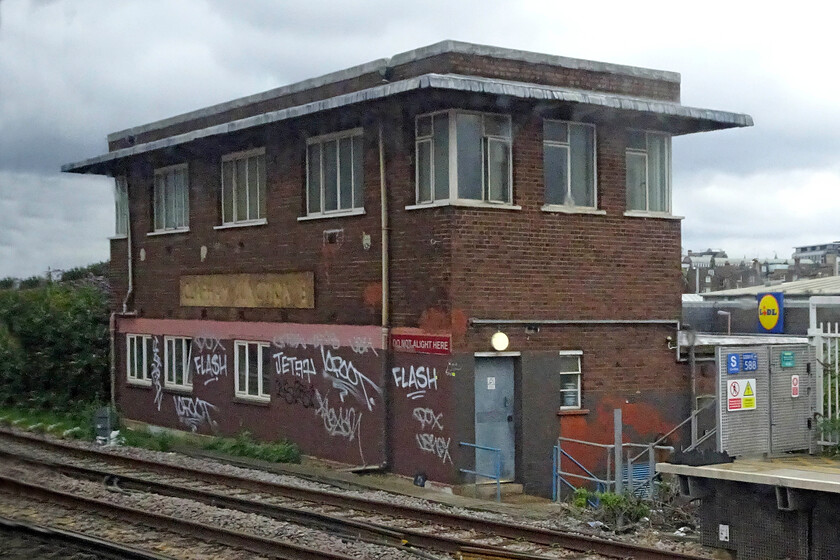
(54, 346)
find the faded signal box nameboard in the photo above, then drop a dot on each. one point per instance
(294, 290)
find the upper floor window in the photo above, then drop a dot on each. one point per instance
(176, 367)
(253, 370)
(243, 187)
(569, 164)
(121, 206)
(172, 201)
(463, 156)
(569, 371)
(334, 173)
(648, 180)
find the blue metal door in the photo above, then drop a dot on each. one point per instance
(494, 414)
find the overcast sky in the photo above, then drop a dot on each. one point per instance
(71, 71)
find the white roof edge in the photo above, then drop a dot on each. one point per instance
(437, 81)
(381, 64)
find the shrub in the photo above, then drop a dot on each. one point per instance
(243, 445)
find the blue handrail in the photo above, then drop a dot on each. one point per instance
(498, 476)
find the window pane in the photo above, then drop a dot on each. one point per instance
(178, 361)
(149, 354)
(241, 368)
(358, 172)
(160, 189)
(227, 192)
(424, 171)
(636, 171)
(636, 140)
(314, 180)
(469, 156)
(441, 155)
(657, 173)
(170, 357)
(497, 125)
(183, 194)
(424, 126)
(554, 131)
(187, 353)
(169, 201)
(569, 364)
(583, 165)
(262, 185)
(267, 368)
(497, 170)
(330, 176)
(253, 369)
(131, 356)
(345, 173)
(253, 188)
(556, 168)
(241, 190)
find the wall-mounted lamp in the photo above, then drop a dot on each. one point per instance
(499, 341)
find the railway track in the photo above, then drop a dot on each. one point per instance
(350, 516)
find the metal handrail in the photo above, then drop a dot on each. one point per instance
(497, 477)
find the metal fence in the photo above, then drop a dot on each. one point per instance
(497, 475)
(826, 340)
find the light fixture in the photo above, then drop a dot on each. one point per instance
(499, 341)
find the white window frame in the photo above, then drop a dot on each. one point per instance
(336, 137)
(186, 352)
(579, 373)
(242, 392)
(163, 171)
(486, 139)
(573, 208)
(642, 212)
(120, 207)
(235, 220)
(137, 371)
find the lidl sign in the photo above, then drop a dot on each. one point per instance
(771, 312)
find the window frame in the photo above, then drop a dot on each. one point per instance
(262, 187)
(667, 175)
(486, 140)
(169, 376)
(336, 137)
(572, 208)
(579, 375)
(155, 195)
(145, 343)
(120, 207)
(263, 393)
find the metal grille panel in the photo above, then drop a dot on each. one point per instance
(744, 432)
(790, 426)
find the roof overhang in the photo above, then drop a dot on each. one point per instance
(662, 115)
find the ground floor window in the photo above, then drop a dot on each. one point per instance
(138, 349)
(177, 362)
(253, 370)
(570, 371)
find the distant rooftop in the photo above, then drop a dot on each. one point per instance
(827, 286)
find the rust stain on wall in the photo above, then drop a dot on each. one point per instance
(288, 290)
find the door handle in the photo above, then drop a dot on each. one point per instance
(506, 402)
(510, 418)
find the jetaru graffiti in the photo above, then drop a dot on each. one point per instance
(157, 363)
(295, 392)
(419, 379)
(427, 417)
(344, 422)
(286, 365)
(193, 412)
(430, 443)
(348, 380)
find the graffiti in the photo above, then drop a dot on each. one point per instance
(193, 412)
(344, 422)
(210, 366)
(419, 379)
(427, 417)
(207, 344)
(347, 379)
(157, 363)
(326, 340)
(362, 344)
(452, 368)
(290, 365)
(430, 443)
(293, 391)
(289, 340)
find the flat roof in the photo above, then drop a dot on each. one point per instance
(804, 472)
(828, 285)
(686, 338)
(381, 65)
(675, 115)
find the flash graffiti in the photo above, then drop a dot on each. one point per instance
(349, 380)
(193, 412)
(290, 365)
(156, 366)
(418, 380)
(427, 417)
(344, 422)
(436, 445)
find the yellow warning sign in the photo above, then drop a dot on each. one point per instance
(748, 392)
(748, 403)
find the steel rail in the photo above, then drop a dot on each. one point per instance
(272, 548)
(81, 541)
(573, 541)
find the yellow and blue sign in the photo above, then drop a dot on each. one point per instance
(771, 312)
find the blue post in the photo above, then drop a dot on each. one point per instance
(554, 474)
